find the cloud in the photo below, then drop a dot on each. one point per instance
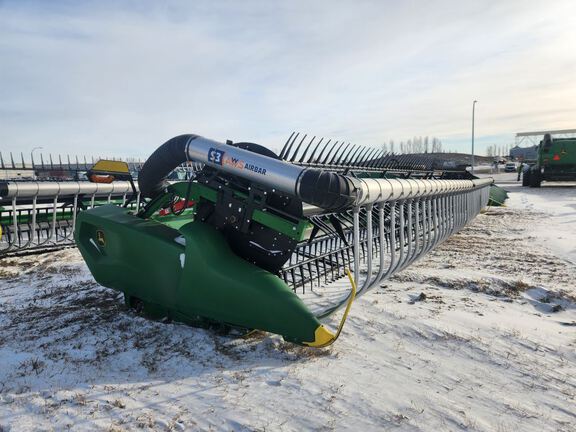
(121, 78)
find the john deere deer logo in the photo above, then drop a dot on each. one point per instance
(100, 238)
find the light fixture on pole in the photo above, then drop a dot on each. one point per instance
(32, 159)
(32, 154)
(473, 106)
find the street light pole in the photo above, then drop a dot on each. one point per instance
(32, 159)
(473, 106)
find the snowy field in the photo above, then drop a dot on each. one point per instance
(480, 335)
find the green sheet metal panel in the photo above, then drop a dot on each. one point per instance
(188, 274)
(497, 196)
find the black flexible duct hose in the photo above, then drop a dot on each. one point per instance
(324, 189)
(328, 190)
(3, 189)
(166, 158)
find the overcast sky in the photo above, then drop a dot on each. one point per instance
(121, 77)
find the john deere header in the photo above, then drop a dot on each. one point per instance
(251, 235)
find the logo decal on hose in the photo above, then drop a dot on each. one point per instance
(215, 156)
(220, 158)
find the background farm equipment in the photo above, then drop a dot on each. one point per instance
(556, 161)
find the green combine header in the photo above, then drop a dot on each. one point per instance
(271, 242)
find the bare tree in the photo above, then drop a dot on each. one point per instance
(417, 144)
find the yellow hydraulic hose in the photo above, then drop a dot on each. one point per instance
(322, 330)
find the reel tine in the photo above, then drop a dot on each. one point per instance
(343, 261)
(350, 157)
(423, 163)
(310, 278)
(347, 218)
(293, 274)
(338, 265)
(368, 156)
(395, 162)
(370, 160)
(325, 227)
(302, 278)
(337, 153)
(325, 271)
(306, 149)
(321, 153)
(373, 157)
(338, 228)
(409, 161)
(362, 157)
(386, 160)
(317, 263)
(359, 156)
(383, 160)
(285, 155)
(313, 151)
(281, 155)
(298, 148)
(403, 161)
(347, 157)
(333, 147)
(349, 257)
(416, 162)
(430, 163)
(377, 157)
(350, 161)
(341, 154)
(330, 148)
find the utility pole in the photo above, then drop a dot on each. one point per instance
(473, 106)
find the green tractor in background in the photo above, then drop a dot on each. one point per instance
(556, 161)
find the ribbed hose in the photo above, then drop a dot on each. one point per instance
(165, 159)
(324, 189)
(327, 190)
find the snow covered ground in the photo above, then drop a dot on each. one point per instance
(478, 336)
